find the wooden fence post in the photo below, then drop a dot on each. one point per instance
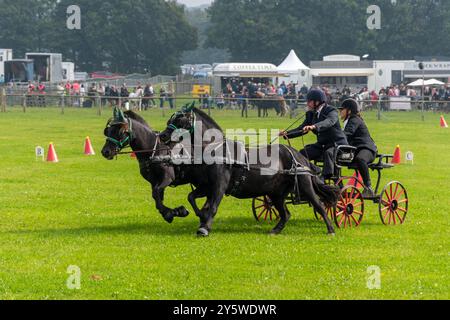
(24, 103)
(99, 101)
(63, 103)
(3, 99)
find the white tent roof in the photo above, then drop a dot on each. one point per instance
(434, 82)
(417, 83)
(292, 64)
(431, 82)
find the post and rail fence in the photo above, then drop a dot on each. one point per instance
(63, 101)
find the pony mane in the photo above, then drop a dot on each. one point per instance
(207, 118)
(132, 115)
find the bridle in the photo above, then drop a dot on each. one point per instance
(188, 114)
(126, 137)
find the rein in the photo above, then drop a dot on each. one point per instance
(288, 128)
(153, 151)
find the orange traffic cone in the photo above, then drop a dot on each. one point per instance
(88, 149)
(443, 122)
(52, 156)
(355, 180)
(397, 156)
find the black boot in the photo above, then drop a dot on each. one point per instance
(368, 193)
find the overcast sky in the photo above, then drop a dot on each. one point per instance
(195, 3)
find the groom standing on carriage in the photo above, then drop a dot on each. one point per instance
(323, 120)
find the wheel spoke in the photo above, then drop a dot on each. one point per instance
(395, 192)
(385, 208)
(346, 196)
(352, 194)
(403, 201)
(261, 214)
(357, 222)
(256, 208)
(402, 210)
(339, 213)
(276, 214)
(386, 215)
(358, 204)
(267, 215)
(358, 212)
(400, 194)
(390, 187)
(385, 192)
(393, 217)
(385, 203)
(398, 216)
(342, 220)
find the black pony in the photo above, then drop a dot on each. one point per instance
(265, 102)
(130, 130)
(245, 181)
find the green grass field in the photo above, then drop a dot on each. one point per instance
(100, 216)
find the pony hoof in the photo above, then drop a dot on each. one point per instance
(332, 234)
(202, 232)
(182, 212)
(169, 218)
(274, 233)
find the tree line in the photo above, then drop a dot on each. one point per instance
(265, 30)
(155, 35)
(116, 35)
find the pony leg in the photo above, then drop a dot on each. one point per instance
(167, 213)
(193, 196)
(312, 197)
(209, 211)
(285, 215)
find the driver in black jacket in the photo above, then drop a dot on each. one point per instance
(359, 137)
(323, 120)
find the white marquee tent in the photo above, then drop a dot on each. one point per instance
(296, 70)
(431, 82)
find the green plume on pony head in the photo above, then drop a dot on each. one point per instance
(119, 116)
(189, 108)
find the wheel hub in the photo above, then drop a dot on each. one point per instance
(349, 209)
(394, 205)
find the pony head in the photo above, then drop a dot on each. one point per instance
(118, 133)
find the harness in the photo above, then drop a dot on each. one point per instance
(183, 113)
(125, 140)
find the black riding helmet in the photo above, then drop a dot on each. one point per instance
(350, 104)
(316, 95)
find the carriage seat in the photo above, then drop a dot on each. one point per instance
(344, 155)
(382, 163)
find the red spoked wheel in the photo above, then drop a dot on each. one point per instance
(350, 208)
(331, 211)
(263, 210)
(394, 204)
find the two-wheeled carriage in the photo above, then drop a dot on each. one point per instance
(392, 199)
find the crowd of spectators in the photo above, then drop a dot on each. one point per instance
(236, 94)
